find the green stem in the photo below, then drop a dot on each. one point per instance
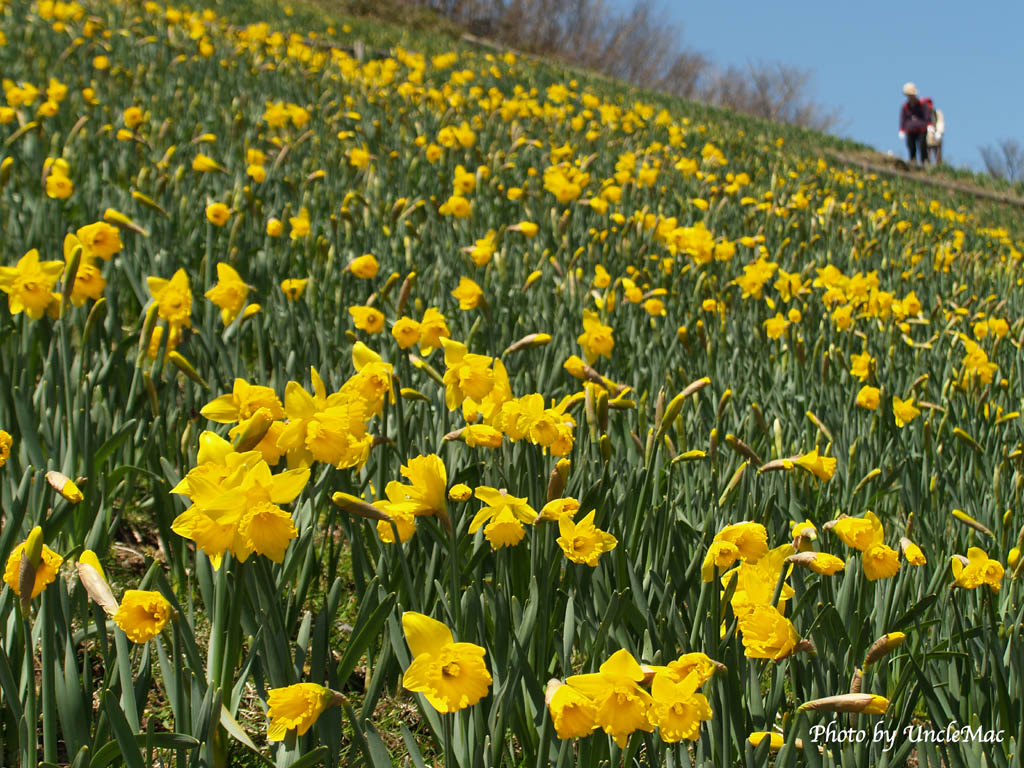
(448, 721)
(454, 572)
(71, 459)
(49, 705)
(218, 632)
(28, 674)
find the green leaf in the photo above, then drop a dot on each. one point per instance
(126, 740)
(111, 751)
(28, 426)
(12, 697)
(112, 444)
(918, 609)
(412, 747)
(237, 732)
(364, 635)
(310, 758)
(379, 756)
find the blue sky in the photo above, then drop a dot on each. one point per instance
(967, 56)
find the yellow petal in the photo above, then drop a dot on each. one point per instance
(424, 634)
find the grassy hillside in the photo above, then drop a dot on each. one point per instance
(328, 344)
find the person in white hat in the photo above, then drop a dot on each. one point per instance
(914, 119)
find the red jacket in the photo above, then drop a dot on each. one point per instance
(915, 117)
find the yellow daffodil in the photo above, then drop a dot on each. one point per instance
(767, 634)
(294, 287)
(299, 224)
(173, 298)
(596, 338)
(100, 239)
(748, 541)
(296, 708)
(869, 397)
(904, 411)
(229, 294)
(6, 441)
(822, 467)
(451, 675)
(505, 516)
(978, 569)
(621, 705)
(367, 319)
(44, 562)
(677, 709)
(29, 285)
(581, 541)
(142, 615)
(218, 214)
(574, 715)
(468, 293)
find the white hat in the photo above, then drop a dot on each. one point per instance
(910, 89)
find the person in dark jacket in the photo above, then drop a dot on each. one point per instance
(915, 116)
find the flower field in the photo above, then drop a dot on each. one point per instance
(365, 401)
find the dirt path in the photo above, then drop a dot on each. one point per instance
(895, 167)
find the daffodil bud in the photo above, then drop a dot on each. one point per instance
(883, 645)
(389, 284)
(966, 439)
(722, 402)
(590, 410)
(970, 522)
(528, 342)
(460, 492)
(759, 418)
(253, 430)
(857, 681)
(31, 559)
(118, 219)
(659, 406)
(427, 368)
(691, 455)
(70, 273)
(182, 364)
(34, 546)
(98, 309)
(90, 573)
(855, 703)
(149, 202)
(556, 481)
(743, 449)
(65, 486)
(356, 506)
(775, 740)
(403, 292)
(5, 171)
(148, 324)
(606, 448)
(733, 482)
